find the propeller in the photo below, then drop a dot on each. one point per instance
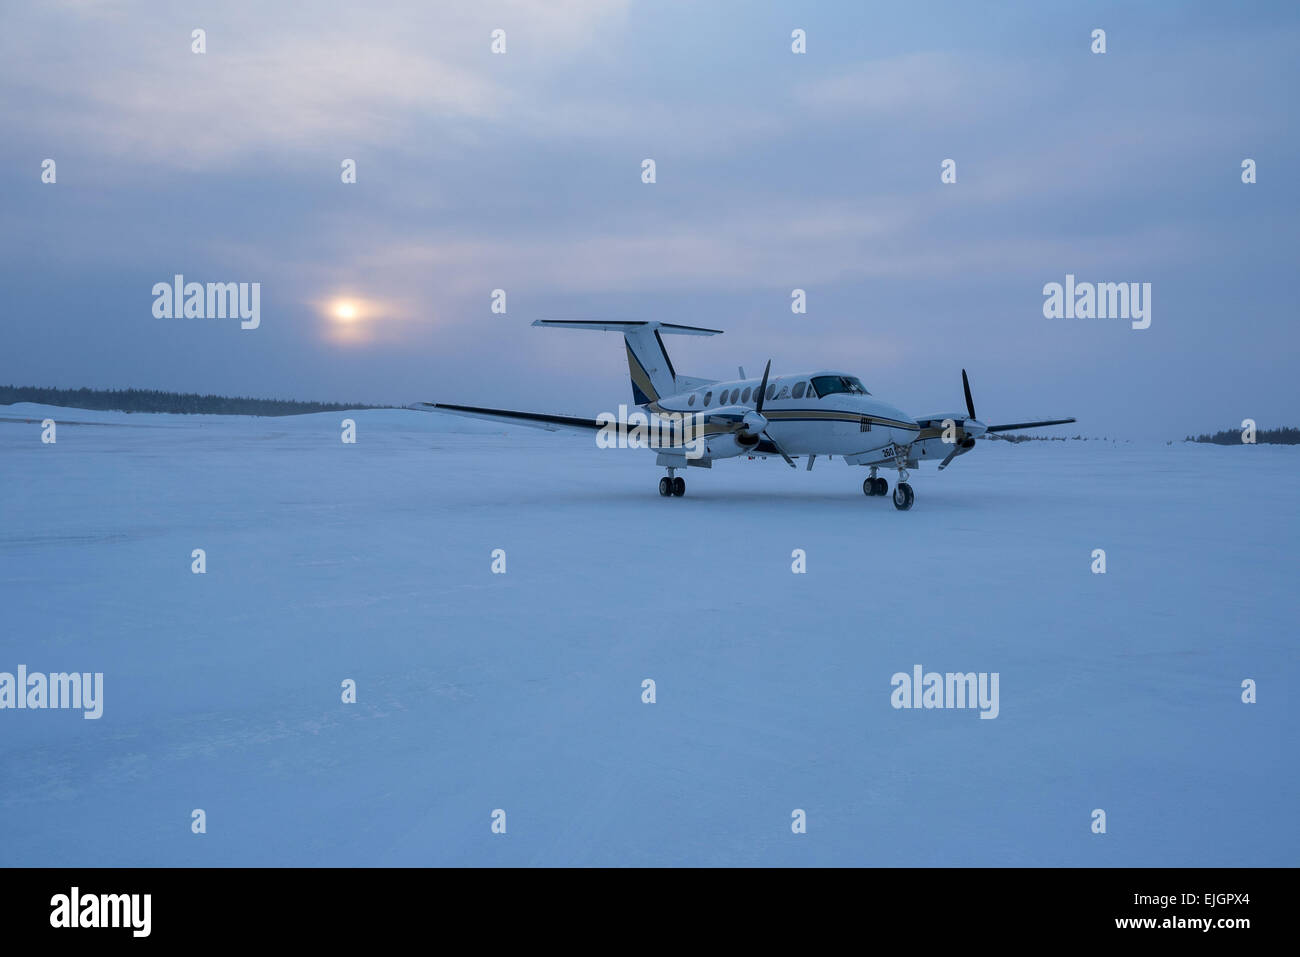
(956, 451)
(974, 428)
(755, 422)
(968, 443)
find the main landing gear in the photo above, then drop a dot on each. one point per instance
(903, 494)
(874, 485)
(670, 486)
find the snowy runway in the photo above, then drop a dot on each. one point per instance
(523, 691)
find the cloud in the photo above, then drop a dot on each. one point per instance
(777, 251)
(275, 79)
(926, 88)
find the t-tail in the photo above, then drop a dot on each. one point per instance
(648, 365)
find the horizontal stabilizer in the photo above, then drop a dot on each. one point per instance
(626, 327)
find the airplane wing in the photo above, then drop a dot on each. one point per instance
(537, 420)
(1027, 425)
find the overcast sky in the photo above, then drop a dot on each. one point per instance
(775, 171)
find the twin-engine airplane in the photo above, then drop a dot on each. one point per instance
(810, 414)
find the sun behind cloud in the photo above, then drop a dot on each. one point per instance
(350, 319)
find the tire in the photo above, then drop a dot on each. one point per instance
(903, 496)
(665, 486)
(679, 486)
(869, 487)
(882, 487)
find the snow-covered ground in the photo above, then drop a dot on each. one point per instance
(523, 691)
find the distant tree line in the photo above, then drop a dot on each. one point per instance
(153, 400)
(998, 437)
(1262, 437)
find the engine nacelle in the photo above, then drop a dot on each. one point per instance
(939, 449)
(726, 445)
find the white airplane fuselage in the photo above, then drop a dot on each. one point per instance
(844, 424)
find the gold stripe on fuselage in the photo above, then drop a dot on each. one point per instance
(778, 415)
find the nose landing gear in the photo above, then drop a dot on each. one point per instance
(903, 495)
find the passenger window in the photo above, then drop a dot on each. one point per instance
(771, 391)
(798, 390)
(784, 393)
(691, 400)
(745, 396)
(707, 397)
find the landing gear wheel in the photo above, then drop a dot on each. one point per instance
(665, 486)
(679, 486)
(875, 486)
(903, 496)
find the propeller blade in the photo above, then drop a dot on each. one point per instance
(970, 403)
(1028, 425)
(956, 451)
(788, 461)
(762, 389)
(758, 407)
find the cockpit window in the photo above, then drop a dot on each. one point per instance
(832, 384)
